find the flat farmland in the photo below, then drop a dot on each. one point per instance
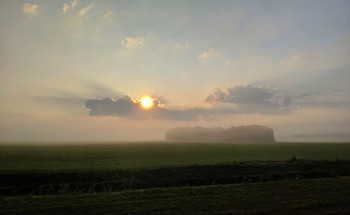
(175, 178)
(161, 154)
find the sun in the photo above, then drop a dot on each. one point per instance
(146, 102)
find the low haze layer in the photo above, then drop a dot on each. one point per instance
(240, 134)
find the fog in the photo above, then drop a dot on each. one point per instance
(240, 134)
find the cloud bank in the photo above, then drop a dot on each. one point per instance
(246, 99)
(129, 107)
(252, 99)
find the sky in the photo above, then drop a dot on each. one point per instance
(76, 70)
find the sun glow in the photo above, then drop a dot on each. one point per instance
(146, 102)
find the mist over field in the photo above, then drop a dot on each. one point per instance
(240, 134)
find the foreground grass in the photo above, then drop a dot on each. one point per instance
(307, 196)
(155, 155)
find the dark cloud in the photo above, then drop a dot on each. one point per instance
(240, 95)
(240, 134)
(129, 107)
(123, 107)
(251, 99)
(248, 99)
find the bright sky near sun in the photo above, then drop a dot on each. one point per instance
(146, 102)
(77, 70)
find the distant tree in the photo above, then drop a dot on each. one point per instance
(251, 133)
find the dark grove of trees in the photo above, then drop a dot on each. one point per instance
(240, 134)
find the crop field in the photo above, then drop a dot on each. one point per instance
(175, 178)
(162, 154)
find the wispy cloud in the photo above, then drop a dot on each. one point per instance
(130, 42)
(182, 45)
(30, 8)
(66, 7)
(208, 54)
(107, 15)
(85, 10)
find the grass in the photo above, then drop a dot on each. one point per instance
(308, 196)
(155, 155)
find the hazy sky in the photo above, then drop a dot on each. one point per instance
(73, 70)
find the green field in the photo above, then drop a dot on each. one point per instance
(175, 178)
(152, 155)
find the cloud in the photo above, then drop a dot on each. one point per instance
(179, 45)
(251, 99)
(128, 107)
(85, 10)
(214, 58)
(208, 54)
(124, 107)
(107, 15)
(66, 7)
(240, 95)
(30, 8)
(130, 42)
